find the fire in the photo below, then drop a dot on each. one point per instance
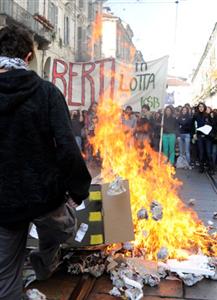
(180, 229)
(96, 32)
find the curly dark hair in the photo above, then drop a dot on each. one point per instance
(201, 104)
(16, 41)
(146, 106)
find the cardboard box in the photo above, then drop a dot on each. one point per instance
(104, 219)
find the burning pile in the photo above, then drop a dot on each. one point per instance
(161, 220)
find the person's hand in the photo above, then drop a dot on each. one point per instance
(72, 203)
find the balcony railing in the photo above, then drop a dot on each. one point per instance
(19, 14)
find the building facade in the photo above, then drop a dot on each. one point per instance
(61, 28)
(204, 80)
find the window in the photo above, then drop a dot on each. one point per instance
(79, 33)
(90, 11)
(66, 30)
(33, 6)
(53, 14)
(81, 3)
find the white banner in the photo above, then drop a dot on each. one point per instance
(135, 85)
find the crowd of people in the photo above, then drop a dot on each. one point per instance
(182, 140)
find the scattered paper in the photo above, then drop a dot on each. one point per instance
(191, 201)
(33, 232)
(34, 294)
(196, 264)
(116, 187)
(81, 232)
(80, 207)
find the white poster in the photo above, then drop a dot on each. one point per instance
(135, 85)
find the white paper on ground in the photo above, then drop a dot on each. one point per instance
(33, 232)
(196, 264)
(81, 206)
(205, 129)
(81, 232)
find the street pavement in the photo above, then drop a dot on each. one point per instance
(195, 186)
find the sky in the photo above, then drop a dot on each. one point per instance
(162, 27)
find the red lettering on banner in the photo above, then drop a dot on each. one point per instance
(60, 75)
(99, 75)
(86, 75)
(70, 92)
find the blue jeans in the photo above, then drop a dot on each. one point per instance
(184, 145)
(214, 153)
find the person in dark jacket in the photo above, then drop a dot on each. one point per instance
(77, 126)
(144, 126)
(185, 130)
(204, 142)
(169, 134)
(157, 129)
(213, 135)
(41, 167)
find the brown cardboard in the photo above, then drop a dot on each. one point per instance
(117, 216)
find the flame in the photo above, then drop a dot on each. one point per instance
(180, 229)
(96, 32)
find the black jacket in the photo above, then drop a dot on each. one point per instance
(213, 133)
(170, 125)
(39, 158)
(185, 124)
(199, 120)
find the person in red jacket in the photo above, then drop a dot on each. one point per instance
(42, 172)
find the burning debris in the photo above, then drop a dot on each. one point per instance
(167, 222)
(116, 187)
(156, 210)
(165, 230)
(130, 274)
(129, 246)
(92, 263)
(142, 214)
(163, 253)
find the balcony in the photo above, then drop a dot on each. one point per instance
(13, 13)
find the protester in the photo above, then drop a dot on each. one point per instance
(157, 120)
(204, 142)
(144, 126)
(213, 135)
(77, 126)
(129, 119)
(208, 110)
(189, 109)
(169, 134)
(41, 167)
(185, 130)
